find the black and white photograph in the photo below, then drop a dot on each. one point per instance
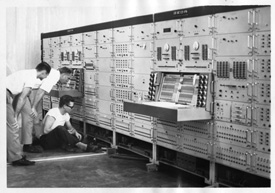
(136, 95)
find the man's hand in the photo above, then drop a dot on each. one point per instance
(78, 136)
(34, 113)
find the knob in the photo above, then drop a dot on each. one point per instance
(166, 47)
(196, 45)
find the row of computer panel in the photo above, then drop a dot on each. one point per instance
(194, 138)
(242, 175)
(200, 54)
(222, 23)
(240, 147)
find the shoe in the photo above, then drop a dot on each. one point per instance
(93, 148)
(32, 149)
(23, 162)
(85, 139)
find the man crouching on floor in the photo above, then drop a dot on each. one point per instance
(58, 131)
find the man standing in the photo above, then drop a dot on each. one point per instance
(29, 111)
(19, 85)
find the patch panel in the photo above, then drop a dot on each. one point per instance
(168, 54)
(194, 146)
(122, 80)
(261, 164)
(104, 107)
(168, 29)
(262, 68)
(105, 36)
(142, 65)
(262, 19)
(198, 55)
(223, 69)
(119, 95)
(262, 43)
(90, 64)
(90, 77)
(262, 92)
(77, 40)
(55, 63)
(233, 134)
(143, 49)
(89, 38)
(234, 22)
(90, 101)
(105, 121)
(117, 109)
(90, 115)
(65, 56)
(140, 81)
(77, 56)
(231, 67)
(55, 42)
(197, 26)
(89, 89)
(143, 32)
(166, 138)
(241, 113)
(122, 126)
(261, 116)
(122, 34)
(104, 50)
(90, 51)
(261, 139)
(122, 50)
(104, 78)
(233, 156)
(103, 92)
(222, 110)
(55, 53)
(104, 65)
(65, 41)
(239, 44)
(239, 70)
(201, 129)
(47, 53)
(142, 131)
(123, 65)
(234, 90)
(142, 118)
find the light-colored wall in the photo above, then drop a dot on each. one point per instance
(24, 24)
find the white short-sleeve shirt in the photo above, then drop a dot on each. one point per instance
(59, 119)
(50, 81)
(16, 81)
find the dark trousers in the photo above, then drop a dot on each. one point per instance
(57, 138)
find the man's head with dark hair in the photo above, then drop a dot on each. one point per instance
(65, 74)
(66, 102)
(43, 69)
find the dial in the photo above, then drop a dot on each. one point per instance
(196, 45)
(166, 47)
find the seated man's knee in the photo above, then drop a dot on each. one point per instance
(61, 128)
